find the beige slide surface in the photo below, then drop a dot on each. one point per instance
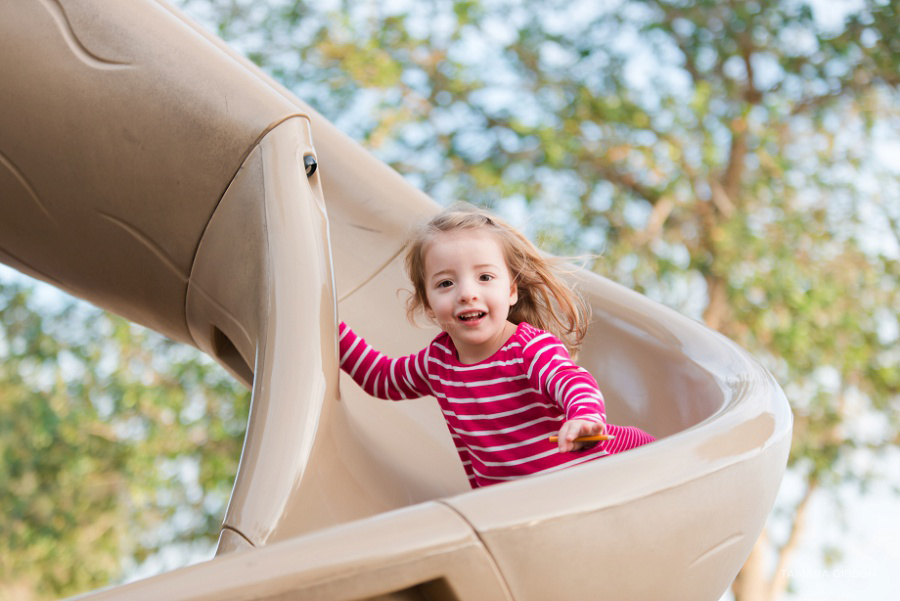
(147, 168)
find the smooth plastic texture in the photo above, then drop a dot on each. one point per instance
(146, 167)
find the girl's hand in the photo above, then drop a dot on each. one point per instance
(574, 428)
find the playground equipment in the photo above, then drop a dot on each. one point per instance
(147, 168)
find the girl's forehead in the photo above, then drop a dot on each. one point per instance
(446, 245)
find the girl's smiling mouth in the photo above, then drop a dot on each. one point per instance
(471, 315)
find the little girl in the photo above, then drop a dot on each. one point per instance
(499, 369)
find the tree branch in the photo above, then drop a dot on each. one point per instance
(752, 93)
(628, 181)
(737, 157)
(670, 13)
(658, 217)
(779, 581)
(855, 82)
(717, 310)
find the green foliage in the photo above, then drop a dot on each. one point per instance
(717, 155)
(115, 442)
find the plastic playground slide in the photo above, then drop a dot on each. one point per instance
(147, 168)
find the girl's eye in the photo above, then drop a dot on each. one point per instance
(486, 277)
(444, 284)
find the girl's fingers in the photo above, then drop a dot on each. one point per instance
(595, 438)
(569, 431)
(578, 434)
(565, 437)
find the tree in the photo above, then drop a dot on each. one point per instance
(722, 157)
(115, 443)
(717, 156)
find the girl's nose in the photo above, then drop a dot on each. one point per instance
(467, 292)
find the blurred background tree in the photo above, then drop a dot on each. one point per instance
(115, 443)
(731, 159)
(736, 160)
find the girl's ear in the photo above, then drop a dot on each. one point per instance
(513, 294)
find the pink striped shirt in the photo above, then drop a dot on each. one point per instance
(500, 411)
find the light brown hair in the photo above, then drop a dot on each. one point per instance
(545, 300)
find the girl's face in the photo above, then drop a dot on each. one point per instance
(469, 291)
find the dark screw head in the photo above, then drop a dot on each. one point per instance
(309, 161)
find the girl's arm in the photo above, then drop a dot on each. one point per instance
(552, 372)
(381, 376)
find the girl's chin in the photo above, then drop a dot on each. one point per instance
(477, 339)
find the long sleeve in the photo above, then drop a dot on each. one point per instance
(552, 372)
(381, 376)
(501, 411)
